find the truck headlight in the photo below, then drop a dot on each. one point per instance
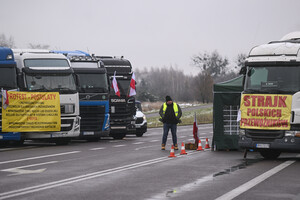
(69, 109)
(242, 132)
(290, 133)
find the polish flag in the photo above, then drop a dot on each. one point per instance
(115, 85)
(195, 130)
(5, 101)
(132, 86)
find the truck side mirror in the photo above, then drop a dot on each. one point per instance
(20, 81)
(243, 71)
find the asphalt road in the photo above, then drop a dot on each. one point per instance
(136, 168)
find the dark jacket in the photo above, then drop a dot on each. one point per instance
(169, 116)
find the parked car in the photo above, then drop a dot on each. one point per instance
(141, 121)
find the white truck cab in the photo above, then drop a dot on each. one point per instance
(271, 123)
(42, 71)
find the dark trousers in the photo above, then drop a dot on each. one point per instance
(173, 128)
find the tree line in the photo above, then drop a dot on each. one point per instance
(154, 84)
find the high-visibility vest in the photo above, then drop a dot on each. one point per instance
(175, 108)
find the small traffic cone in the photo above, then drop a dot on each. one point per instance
(200, 146)
(172, 152)
(183, 150)
(207, 144)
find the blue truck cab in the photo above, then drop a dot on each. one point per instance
(93, 94)
(8, 81)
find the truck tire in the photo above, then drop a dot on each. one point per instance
(269, 154)
(118, 136)
(139, 134)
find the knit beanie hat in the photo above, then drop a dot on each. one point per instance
(168, 98)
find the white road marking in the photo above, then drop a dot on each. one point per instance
(154, 141)
(17, 171)
(21, 171)
(121, 145)
(37, 188)
(243, 188)
(99, 148)
(33, 165)
(138, 143)
(38, 157)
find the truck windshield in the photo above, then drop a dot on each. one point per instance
(273, 79)
(93, 83)
(8, 78)
(46, 63)
(63, 83)
(123, 86)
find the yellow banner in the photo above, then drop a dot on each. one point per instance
(265, 111)
(31, 112)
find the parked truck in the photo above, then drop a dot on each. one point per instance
(42, 71)
(8, 81)
(93, 94)
(122, 109)
(270, 103)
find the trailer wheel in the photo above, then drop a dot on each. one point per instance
(269, 154)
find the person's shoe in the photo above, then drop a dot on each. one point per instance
(163, 147)
(175, 147)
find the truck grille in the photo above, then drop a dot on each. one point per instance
(92, 118)
(122, 111)
(66, 124)
(264, 134)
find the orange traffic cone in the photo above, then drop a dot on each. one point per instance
(183, 150)
(172, 152)
(207, 144)
(200, 146)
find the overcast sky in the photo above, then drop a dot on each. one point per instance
(150, 33)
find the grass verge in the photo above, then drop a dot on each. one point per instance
(204, 116)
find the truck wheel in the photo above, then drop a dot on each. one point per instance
(118, 136)
(139, 134)
(269, 154)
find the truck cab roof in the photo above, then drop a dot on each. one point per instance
(285, 50)
(47, 60)
(120, 65)
(6, 56)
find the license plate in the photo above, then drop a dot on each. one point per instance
(88, 133)
(263, 146)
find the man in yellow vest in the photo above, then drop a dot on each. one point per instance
(170, 114)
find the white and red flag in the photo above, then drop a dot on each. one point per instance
(115, 85)
(195, 130)
(132, 86)
(5, 101)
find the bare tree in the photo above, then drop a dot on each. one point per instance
(240, 61)
(212, 64)
(7, 42)
(38, 46)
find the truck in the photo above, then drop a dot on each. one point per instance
(42, 71)
(8, 81)
(270, 103)
(93, 94)
(122, 109)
